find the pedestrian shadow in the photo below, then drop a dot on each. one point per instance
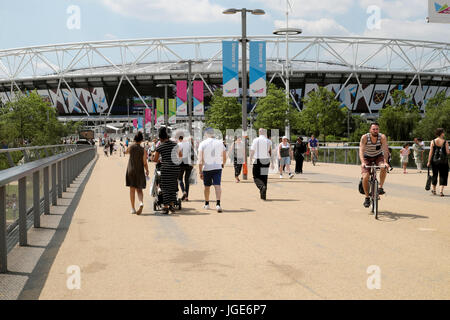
(238, 211)
(388, 216)
(282, 200)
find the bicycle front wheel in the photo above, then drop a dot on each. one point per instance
(375, 199)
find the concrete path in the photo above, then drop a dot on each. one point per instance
(312, 239)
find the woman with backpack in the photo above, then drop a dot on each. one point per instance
(437, 158)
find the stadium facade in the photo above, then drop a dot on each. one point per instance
(91, 79)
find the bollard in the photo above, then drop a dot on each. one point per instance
(46, 191)
(3, 248)
(36, 200)
(23, 211)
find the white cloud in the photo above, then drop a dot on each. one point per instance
(398, 9)
(309, 8)
(192, 11)
(110, 36)
(324, 26)
(410, 30)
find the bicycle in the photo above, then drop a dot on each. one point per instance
(374, 188)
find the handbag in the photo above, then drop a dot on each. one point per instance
(193, 177)
(360, 187)
(429, 177)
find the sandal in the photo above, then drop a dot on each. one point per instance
(442, 194)
(165, 210)
(433, 192)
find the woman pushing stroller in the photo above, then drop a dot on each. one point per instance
(170, 156)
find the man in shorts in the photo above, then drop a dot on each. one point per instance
(373, 148)
(212, 156)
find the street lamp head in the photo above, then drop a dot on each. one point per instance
(287, 31)
(230, 11)
(258, 12)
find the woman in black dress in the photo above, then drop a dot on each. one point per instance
(170, 156)
(135, 177)
(438, 160)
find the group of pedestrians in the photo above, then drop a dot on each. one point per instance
(176, 163)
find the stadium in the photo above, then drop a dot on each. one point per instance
(112, 81)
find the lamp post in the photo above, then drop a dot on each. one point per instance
(189, 81)
(287, 32)
(244, 41)
(166, 102)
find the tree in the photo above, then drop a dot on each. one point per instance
(30, 118)
(437, 115)
(399, 119)
(361, 126)
(321, 114)
(273, 109)
(225, 112)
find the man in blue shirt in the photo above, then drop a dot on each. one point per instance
(313, 144)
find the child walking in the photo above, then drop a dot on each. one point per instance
(404, 156)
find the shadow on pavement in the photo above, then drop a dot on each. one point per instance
(38, 276)
(388, 216)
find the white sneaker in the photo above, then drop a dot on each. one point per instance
(291, 175)
(133, 211)
(206, 206)
(219, 209)
(281, 176)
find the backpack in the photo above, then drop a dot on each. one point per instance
(440, 154)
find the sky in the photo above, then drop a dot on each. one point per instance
(26, 23)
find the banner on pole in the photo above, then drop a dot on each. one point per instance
(140, 123)
(160, 111)
(172, 111)
(135, 123)
(182, 98)
(439, 11)
(258, 69)
(230, 62)
(199, 108)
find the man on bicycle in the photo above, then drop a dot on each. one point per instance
(373, 148)
(313, 143)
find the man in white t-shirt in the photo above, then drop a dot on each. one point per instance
(212, 156)
(261, 151)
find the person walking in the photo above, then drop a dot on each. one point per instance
(261, 151)
(438, 160)
(135, 178)
(418, 151)
(212, 157)
(185, 167)
(404, 156)
(236, 154)
(284, 157)
(299, 150)
(170, 156)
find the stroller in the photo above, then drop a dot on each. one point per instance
(156, 192)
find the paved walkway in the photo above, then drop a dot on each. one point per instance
(312, 239)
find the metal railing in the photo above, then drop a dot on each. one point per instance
(19, 156)
(26, 189)
(350, 155)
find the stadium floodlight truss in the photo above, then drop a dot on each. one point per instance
(127, 59)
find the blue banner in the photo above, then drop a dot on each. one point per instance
(230, 58)
(258, 69)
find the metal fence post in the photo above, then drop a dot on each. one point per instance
(23, 211)
(346, 152)
(3, 248)
(36, 200)
(334, 155)
(46, 191)
(54, 188)
(64, 175)
(59, 179)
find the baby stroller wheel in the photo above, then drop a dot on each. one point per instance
(155, 206)
(179, 204)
